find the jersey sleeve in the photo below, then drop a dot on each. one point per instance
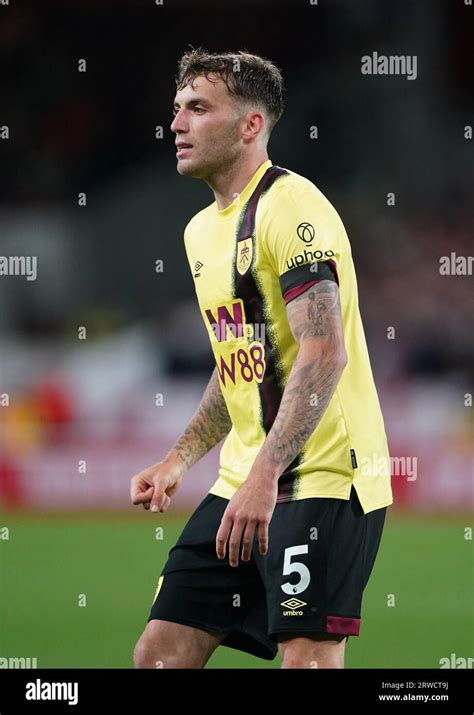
(303, 236)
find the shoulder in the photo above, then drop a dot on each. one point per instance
(292, 181)
(197, 222)
(294, 197)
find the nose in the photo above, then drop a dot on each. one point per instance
(177, 125)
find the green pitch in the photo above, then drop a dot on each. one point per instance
(48, 565)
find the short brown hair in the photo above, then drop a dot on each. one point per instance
(257, 79)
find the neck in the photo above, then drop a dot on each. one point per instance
(234, 178)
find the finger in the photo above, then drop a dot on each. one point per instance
(166, 503)
(157, 498)
(247, 540)
(139, 497)
(263, 537)
(234, 542)
(222, 536)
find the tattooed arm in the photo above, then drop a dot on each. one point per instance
(316, 323)
(210, 423)
(155, 485)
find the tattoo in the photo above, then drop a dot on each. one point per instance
(322, 304)
(315, 320)
(208, 426)
(315, 313)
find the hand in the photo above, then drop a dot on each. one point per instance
(251, 506)
(155, 485)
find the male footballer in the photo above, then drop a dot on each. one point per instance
(276, 557)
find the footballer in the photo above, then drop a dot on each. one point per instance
(276, 557)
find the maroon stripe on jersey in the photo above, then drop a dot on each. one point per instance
(298, 290)
(326, 270)
(247, 288)
(334, 268)
(247, 227)
(342, 626)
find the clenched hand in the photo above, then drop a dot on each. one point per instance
(155, 485)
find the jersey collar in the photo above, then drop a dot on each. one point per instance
(245, 194)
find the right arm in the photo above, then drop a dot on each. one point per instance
(210, 423)
(155, 485)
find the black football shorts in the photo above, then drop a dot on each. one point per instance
(320, 555)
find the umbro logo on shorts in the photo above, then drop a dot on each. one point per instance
(294, 605)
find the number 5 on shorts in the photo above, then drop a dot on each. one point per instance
(296, 566)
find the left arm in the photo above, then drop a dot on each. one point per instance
(316, 323)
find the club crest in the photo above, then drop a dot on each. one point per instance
(244, 255)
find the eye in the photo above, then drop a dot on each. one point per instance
(199, 109)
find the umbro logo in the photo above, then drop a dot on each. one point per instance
(294, 606)
(197, 267)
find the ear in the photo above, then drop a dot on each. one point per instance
(253, 124)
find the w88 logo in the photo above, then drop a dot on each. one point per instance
(247, 361)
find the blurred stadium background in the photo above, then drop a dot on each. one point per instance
(67, 529)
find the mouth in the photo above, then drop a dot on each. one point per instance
(182, 148)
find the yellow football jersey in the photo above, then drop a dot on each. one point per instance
(248, 260)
